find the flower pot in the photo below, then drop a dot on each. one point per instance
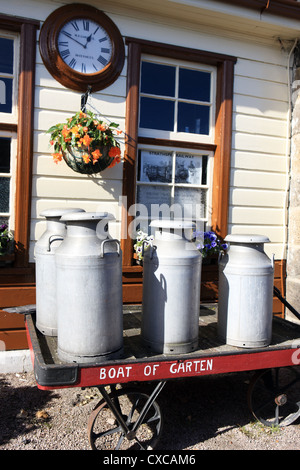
(7, 259)
(73, 157)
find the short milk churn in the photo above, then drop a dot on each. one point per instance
(45, 269)
(245, 307)
(171, 289)
(89, 290)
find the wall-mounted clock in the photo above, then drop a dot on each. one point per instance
(81, 46)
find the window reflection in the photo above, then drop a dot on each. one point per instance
(193, 118)
(158, 79)
(157, 114)
(194, 85)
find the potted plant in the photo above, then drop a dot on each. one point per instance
(143, 242)
(87, 144)
(6, 245)
(207, 243)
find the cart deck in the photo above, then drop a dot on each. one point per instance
(138, 363)
(128, 418)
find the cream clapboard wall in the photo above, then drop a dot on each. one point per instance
(258, 168)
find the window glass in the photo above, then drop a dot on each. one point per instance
(171, 184)
(193, 118)
(5, 143)
(155, 166)
(158, 79)
(6, 95)
(4, 194)
(188, 169)
(157, 114)
(194, 85)
(187, 197)
(6, 55)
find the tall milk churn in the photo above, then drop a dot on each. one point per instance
(245, 307)
(171, 289)
(45, 269)
(89, 290)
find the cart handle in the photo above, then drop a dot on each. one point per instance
(285, 302)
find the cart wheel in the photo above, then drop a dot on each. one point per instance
(106, 433)
(274, 396)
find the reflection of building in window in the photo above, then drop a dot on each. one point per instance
(2, 92)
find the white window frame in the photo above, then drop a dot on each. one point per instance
(182, 136)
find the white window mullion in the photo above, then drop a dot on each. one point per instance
(176, 100)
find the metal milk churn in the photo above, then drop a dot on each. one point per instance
(171, 289)
(245, 307)
(45, 269)
(89, 290)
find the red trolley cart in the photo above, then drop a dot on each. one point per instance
(131, 418)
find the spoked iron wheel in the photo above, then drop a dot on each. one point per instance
(106, 427)
(274, 396)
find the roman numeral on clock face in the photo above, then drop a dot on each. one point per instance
(72, 63)
(102, 60)
(64, 54)
(86, 25)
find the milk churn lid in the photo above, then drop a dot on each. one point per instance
(241, 238)
(87, 216)
(170, 223)
(59, 212)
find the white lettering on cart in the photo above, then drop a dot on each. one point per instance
(150, 369)
(196, 366)
(115, 372)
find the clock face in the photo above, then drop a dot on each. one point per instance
(81, 46)
(84, 46)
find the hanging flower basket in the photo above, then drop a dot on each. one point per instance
(85, 143)
(81, 159)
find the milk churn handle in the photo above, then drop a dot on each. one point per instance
(109, 240)
(58, 237)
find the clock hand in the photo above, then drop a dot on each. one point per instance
(88, 39)
(71, 37)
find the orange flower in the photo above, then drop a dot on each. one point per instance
(115, 161)
(96, 155)
(82, 114)
(114, 152)
(101, 127)
(86, 158)
(57, 157)
(86, 140)
(65, 132)
(75, 130)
